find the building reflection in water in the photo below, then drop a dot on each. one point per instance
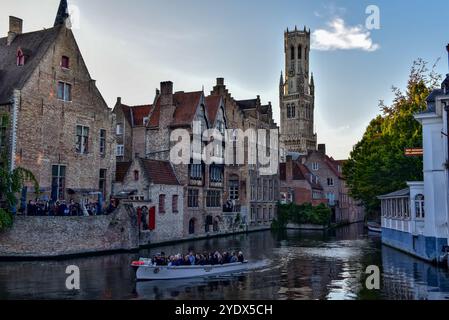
(296, 265)
(408, 278)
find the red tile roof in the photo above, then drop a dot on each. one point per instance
(135, 114)
(212, 105)
(140, 112)
(160, 172)
(155, 114)
(186, 106)
(121, 170)
(300, 172)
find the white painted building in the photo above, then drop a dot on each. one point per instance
(421, 228)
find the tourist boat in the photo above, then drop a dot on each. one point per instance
(374, 227)
(147, 271)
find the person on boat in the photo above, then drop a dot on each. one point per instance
(211, 259)
(170, 261)
(197, 259)
(240, 257)
(203, 260)
(186, 261)
(192, 258)
(234, 258)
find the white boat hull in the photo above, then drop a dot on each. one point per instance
(374, 227)
(149, 272)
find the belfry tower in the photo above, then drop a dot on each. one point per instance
(297, 94)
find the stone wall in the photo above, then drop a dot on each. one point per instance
(33, 237)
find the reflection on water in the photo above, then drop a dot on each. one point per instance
(294, 265)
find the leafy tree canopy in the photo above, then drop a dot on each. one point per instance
(377, 164)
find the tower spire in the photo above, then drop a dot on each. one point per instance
(63, 13)
(282, 79)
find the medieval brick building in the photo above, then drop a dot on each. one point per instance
(59, 125)
(203, 182)
(253, 195)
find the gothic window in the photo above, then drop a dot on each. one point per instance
(300, 52)
(289, 111)
(293, 111)
(20, 58)
(292, 53)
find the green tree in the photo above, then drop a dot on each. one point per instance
(377, 164)
(11, 183)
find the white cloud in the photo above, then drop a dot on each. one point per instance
(342, 37)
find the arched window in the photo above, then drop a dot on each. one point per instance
(419, 206)
(293, 111)
(20, 58)
(300, 52)
(292, 53)
(289, 111)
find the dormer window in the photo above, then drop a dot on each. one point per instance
(65, 62)
(20, 58)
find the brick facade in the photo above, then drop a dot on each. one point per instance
(45, 131)
(258, 194)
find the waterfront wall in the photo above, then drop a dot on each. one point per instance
(38, 237)
(427, 248)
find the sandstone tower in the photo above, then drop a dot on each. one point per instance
(297, 94)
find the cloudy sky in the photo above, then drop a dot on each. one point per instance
(131, 46)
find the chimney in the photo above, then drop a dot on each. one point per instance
(119, 100)
(322, 148)
(167, 93)
(289, 169)
(15, 28)
(220, 81)
(166, 87)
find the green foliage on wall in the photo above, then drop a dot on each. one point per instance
(302, 214)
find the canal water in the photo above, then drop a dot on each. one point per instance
(295, 265)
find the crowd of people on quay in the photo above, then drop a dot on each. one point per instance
(64, 208)
(195, 259)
